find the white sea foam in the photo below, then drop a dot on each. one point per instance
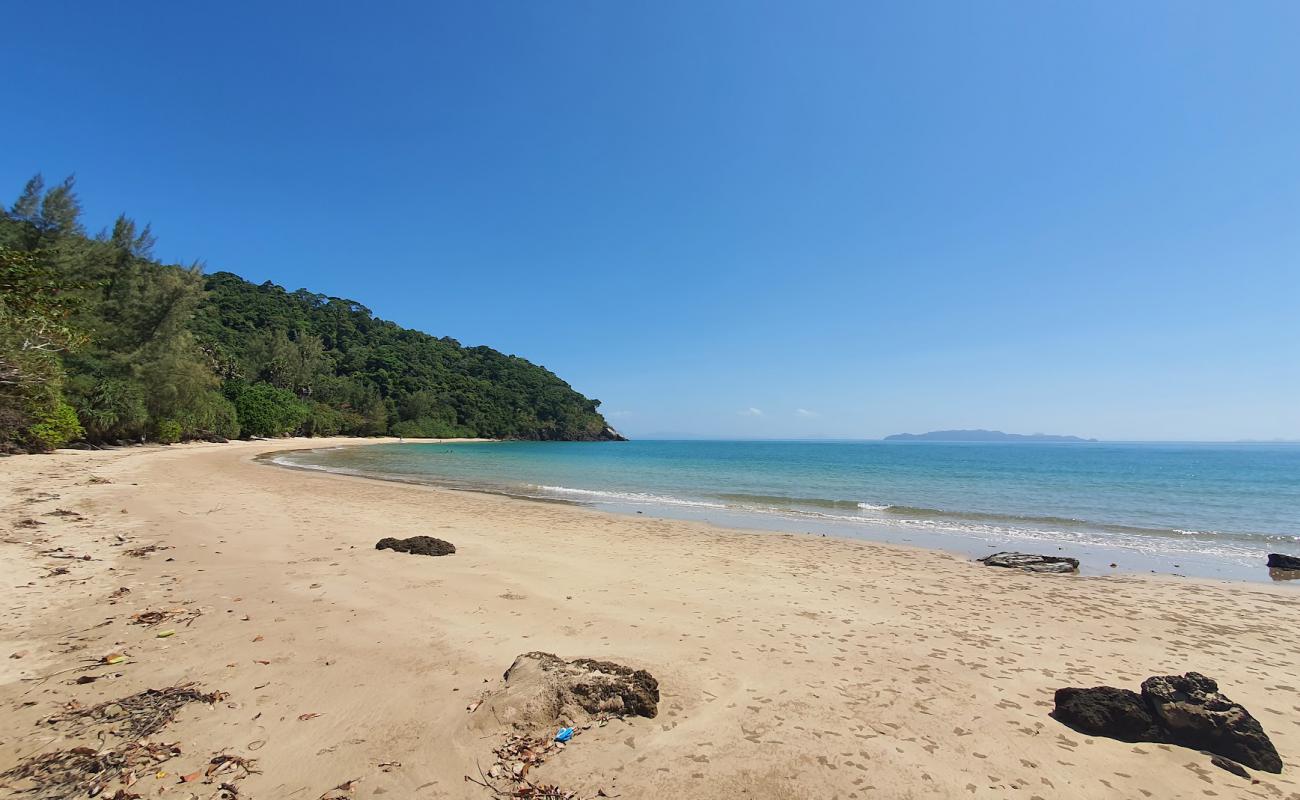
(872, 507)
(640, 498)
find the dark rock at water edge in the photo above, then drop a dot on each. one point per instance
(1106, 711)
(417, 545)
(1186, 710)
(1031, 563)
(1280, 561)
(1194, 713)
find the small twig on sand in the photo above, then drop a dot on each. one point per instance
(43, 678)
(346, 787)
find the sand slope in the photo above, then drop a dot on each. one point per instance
(790, 667)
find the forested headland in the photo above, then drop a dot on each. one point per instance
(102, 343)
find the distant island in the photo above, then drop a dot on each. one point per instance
(981, 436)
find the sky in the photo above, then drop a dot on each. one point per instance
(731, 219)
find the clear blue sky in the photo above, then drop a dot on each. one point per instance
(731, 218)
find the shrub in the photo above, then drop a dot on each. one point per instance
(114, 408)
(167, 431)
(208, 415)
(53, 427)
(323, 421)
(224, 420)
(428, 428)
(264, 410)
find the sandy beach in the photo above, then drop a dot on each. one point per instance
(789, 666)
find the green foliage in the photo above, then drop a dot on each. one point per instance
(46, 215)
(139, 349)
(324, 420)
(212, 415)
(111, 408)
(378, 375)
(36, 304)
(53, 425)
(167, 431)
(265, 410)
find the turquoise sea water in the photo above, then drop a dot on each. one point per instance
(1198, 509)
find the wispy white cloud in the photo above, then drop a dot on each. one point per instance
(803, 412)
(752, 412)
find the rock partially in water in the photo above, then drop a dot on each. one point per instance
(543, 690)
(417, 545)
(1194, 713)
(1106, 711)
(1032, 563)
(1280, 561)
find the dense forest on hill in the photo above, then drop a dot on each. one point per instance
(100, 342)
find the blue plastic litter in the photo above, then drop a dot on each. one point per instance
(564, 735)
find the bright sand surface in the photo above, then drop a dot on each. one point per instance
(789, 666)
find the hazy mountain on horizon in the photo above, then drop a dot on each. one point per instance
(981, 436)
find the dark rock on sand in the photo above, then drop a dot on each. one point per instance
(607, 686)
(1107, 711)
(1032, 563)
(543, 690)
(1186, 710)
(1194, 713)
(1231, 766)
(1280, 561)
(417, 545)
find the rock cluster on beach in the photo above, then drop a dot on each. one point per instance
(542, 690)
(1031, 563)
(417, 545)
(1186, 710)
